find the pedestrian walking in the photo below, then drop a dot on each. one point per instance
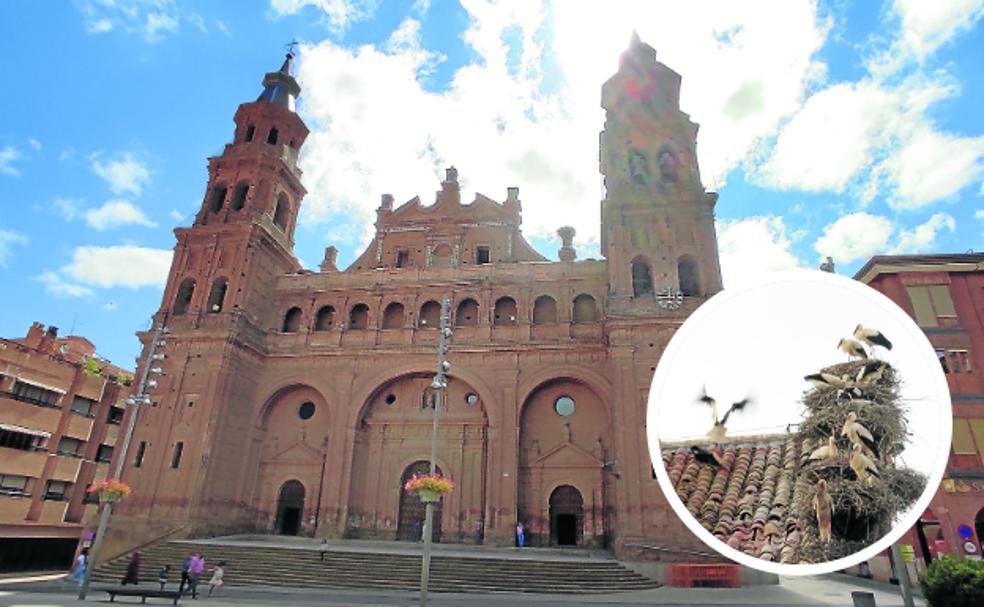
(81, 562)
(323, 548)
(520, 535)
(132, 575)
(217, 574)
(184, 574)
(195, 569)
(162, 576)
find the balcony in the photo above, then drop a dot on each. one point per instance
(29, 415)
(14, 506)
(510, 333)
(79, 427)
(53, 512)
(395, 336)
(112, 433)
(37, 402)
(586, 331)
(22, 463)
(66, 468)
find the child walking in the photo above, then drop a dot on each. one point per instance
(216, 581)
(162, 576)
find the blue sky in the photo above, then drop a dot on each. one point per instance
(833, 128)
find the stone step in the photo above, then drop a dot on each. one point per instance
(293, 567)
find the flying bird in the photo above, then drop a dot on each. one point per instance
(870, 372)
(824, 507)
(859, 435)
(718, 430)
(862, 465)
(828, 451)
(872, 337)
(711, 457)
(853, 349)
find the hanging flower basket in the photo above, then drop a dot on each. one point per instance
(429, 487)
(109, 491)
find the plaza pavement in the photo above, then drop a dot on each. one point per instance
(832, 590)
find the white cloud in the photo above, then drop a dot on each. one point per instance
(198, 21)
(8, 238)
(222, 27)
(928, 25)
(921, 238)
(854, 236)
(99, 26)
(377, 128)
(176, 215)
(151, 19)
(57, 285)
(8, 154)
(979, 214)
(124, 175)
(339, 14)
(34, 143)
(159, 24)
(122, 265)
(116, 213)
(753, 246)
(932, 166)
(68, 208)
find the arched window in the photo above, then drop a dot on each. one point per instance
(689, 280)
(544, 310)
(642, 279)
(250, 131)
(467, 314)
(292, 320)
(430, 315)
(393, 316)
(441, 257)
(272, 137)
(218, 198)
(183, 299)
(239, 196)
(505, 311)
(359, 317)
(585, 309)
(324, 318)
(216, 297)
(280, 215)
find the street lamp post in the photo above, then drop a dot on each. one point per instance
(439, 384)
(133, 402)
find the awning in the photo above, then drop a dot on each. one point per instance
(23, 430)
(38, 384)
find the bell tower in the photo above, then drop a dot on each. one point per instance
(657, 220)
(243, 233)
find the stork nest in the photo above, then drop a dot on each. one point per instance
(884, 416)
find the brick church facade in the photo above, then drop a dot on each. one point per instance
(297, 402)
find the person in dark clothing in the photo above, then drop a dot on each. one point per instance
(184, 574)
(132, 575)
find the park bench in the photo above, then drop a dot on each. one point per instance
(143, 593)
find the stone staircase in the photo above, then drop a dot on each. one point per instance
(294, 567)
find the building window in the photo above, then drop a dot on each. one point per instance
(292, 321)
(544, 310)
(83, 406)
(55, 491)
(306, 411)
(482, 255)
(13, 485)
(218, 198)
(402, 259)
(104, 454)
(115, 416)
(176, 459)
(90, 498)
(250, 131)
(393, 316)
(564, 406)
(216, 298)
(359, 317)
(960, 361)
(324, 318)
(441, 257)
(141, 449)
(505, 311)
(35, 395)
(931, 303)
(280, 214)
(70, 447)
(430, 315)
(239, 197)
(23, 439)
(467, 315)
(272, 136)
(585, 309)
(642, 279)
(687, 273)
(183, 299)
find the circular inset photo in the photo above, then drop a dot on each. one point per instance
(801, 424)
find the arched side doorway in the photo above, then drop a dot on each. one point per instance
(290, 505)
(410, 523)
(566, 516)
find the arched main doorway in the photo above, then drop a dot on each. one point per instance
(290, 505)
(566, 516)
(411, 519)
